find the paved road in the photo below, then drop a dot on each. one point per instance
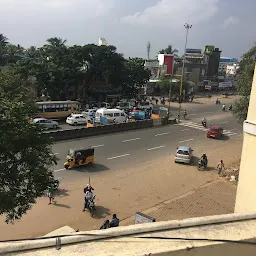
(119, 150)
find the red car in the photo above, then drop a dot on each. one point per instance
(215, 132)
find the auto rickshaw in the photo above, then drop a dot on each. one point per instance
(79, 157)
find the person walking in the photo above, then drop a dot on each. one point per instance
(50, 193)
(220, 166)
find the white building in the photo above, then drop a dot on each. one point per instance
(102, 41)
(224, 62)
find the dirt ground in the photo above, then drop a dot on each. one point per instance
(160, 188)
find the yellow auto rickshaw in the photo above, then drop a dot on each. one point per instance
(79, 157)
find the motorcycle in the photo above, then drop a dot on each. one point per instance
(223, 108)
(217, 102)
(204, 124)
(201, 165)
(230, 108)
(91, 206)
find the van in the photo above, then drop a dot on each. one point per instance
(113, 115)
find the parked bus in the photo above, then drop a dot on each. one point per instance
(57, 109)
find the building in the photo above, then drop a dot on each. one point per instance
(231, 69)
(224, 62)
(212, 59)
(102, 41)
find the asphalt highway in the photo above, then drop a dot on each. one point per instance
(116, 151)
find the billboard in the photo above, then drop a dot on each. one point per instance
(194, 51)
(223, 85)
(166, 61)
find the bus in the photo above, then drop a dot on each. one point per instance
(57, 109)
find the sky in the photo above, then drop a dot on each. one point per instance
(131, 24)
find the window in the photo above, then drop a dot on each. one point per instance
(122, 114)
(116, 114)
(77, 117)
(183, 152)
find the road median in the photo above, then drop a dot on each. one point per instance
(106, 129)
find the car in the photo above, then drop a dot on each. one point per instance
(76, 119)
(183, 154)
(214, 132)
(49, 124)
(126, 106)
(146, 105)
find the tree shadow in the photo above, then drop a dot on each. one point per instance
(61, 192)
(91, 168)
(101, 212)
(61, 205)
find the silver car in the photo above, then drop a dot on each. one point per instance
(183, 154)
(49, 124)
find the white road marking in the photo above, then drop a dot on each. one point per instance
(224, 122)
(98, 146)
(185, 140)
(131, 139)
(160, 134)
(193, 114)
(59, 170)
(185, 130)
(155, 148)
(208, 112)
(114, 157)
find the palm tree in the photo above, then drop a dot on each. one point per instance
(169, 50)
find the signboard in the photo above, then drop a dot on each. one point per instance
(225, 85)
(194, 51)
(208, 87)
(143, 218)
(167, 62)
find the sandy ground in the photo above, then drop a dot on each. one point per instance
(160, 188)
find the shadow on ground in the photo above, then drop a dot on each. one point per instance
(55, 203)
(101, 212)
(61, 192)
(92, 168)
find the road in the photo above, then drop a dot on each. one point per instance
(134, 171)
(115, 151)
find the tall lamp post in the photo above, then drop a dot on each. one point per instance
(187, 27)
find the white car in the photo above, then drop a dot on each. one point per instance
(49, 124)
(76, 119)
(146, 105)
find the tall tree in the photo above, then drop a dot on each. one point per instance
(244, 84)
(3, 44)
(169, 50)
(135, 76)
(25, 154)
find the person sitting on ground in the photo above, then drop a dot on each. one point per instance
(114, 222)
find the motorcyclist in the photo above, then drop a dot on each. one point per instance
(230, 107)
(88, 187)
(88, 196)
(185, 113)
(204, 122)
(204, 160)
(223, 107)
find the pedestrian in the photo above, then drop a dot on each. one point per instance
(156, 101)
(50, 193)
(220, 166)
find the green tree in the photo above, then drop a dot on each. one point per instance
(134, 76)
(3, 45)
(25, 154)
(244, 84)
(165, 83)
(169, 50)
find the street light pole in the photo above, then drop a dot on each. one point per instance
(187, 27)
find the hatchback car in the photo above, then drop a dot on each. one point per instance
(183, 154)
(49, 124)
(76, 119)
(215, 132)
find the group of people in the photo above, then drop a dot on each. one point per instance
(89, 195)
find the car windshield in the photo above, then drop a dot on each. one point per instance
(71, 153)
(183, 152)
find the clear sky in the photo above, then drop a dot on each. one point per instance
(130, 24)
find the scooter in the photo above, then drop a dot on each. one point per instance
(204, 124)
(91, 206)
(223, 108)
(201, 165)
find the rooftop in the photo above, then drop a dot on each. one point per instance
(230, 234)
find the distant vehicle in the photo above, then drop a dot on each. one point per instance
(49, 124)
(56, 109)
(113, 115)
(183, 154)
(76, 119)
(89, 113)
(126, 106)
(146, 105)
(215, 132)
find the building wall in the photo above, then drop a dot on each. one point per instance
(246, 190)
